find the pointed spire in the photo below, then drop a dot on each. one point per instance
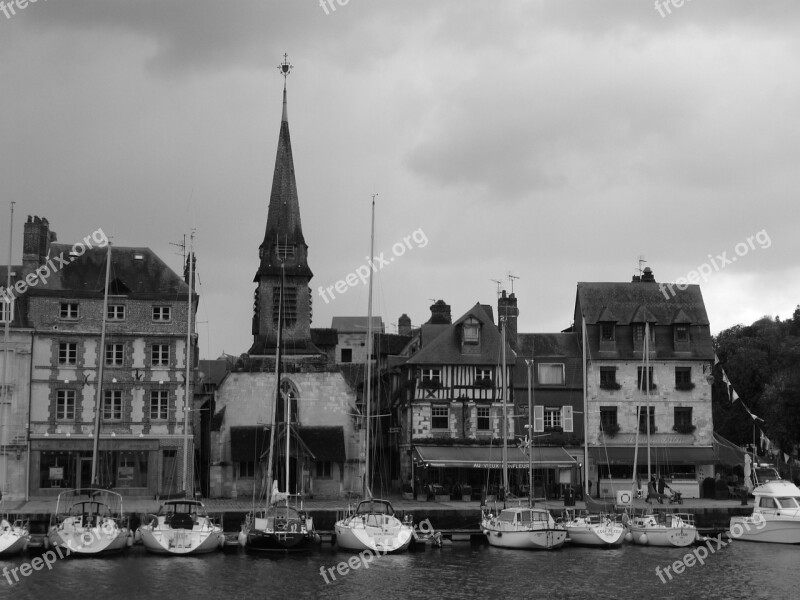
(285, 68)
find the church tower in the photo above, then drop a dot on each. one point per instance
(283, 254)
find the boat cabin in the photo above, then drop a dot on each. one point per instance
(372, 507)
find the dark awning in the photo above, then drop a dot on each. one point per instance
(490, 457)
(669, 455)
(325, 443)
(247, 443)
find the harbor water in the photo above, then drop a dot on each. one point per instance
(459, 570)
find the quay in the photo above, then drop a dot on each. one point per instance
(455, 520)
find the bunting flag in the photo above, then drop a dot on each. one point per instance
(786, 458)
(734, 395)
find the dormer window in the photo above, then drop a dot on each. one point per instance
(472, 331)
(607, 332)
(681, 333)
(551, 373)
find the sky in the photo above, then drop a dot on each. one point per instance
(556, 141)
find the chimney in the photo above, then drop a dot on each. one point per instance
(191, 263)
(404, 325)
(507, 312)
(36, 242)
(647, 276)
(440, 313)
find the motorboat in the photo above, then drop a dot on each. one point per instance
(181, 528)
(775, 518)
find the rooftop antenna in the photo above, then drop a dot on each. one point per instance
(511, 278)
(641, 262)
(499, 283)
(182, 246)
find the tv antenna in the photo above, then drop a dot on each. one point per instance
(499, 283)
(511, 278)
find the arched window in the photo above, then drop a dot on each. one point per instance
(289, 389)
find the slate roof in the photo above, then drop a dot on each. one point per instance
(356, 324)
(391, 343)
(445, 348)
(626, 302)
(135, 271)
(324, 337)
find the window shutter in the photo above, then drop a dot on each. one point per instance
(538, 418)
(566, 418)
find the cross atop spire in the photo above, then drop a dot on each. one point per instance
(285, 69)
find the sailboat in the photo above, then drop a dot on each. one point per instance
(373, 525)
(529, 527)
(658, 529)
(14, 537)
(182, 527)
(592, 527)
(95, 525)
(279, 527)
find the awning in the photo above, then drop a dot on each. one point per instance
(728, 453)
(669, 455)
(490, 457)
(247, 443)
(325, 443)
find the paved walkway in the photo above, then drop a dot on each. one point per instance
(142, 504)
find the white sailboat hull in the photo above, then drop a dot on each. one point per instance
(13, 541)
(675, 533)
(378, 533)
(80, 541)
(523, 529)
(181, 542)
(596, 534)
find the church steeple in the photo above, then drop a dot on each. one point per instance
(283, 253)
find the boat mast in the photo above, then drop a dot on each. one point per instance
(7, 309)
(368, 392)
(188, 368)
(274, 430)
(505, 409)
(647, 390)
(585, 411)
(530, 433)
(101, 358)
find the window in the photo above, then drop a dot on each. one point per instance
(642, 381)
(246, 470)
(681, 333)
(115, 354)
(6, 309)
(159, 405)
(440, 417)
(483, 377)
(608, 378)
(347, 355)
(112, 405)
(551, 373)
(683, 420)
(607, 332)
(683, 378)
(483, 418)
(69, 310)
(65, 405)
(284, 251)
(162, 313)
(288, 390)
(638, 334)
(642, 419)
(289, 305)
(552, 417)
(471, 329)
(159, 355)
(68, 353)
(324, 469)
(432, 376)
(608, 417)
(116, 312)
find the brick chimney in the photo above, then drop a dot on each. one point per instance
(440, 313)
(36, 242)
(404, 325)
(508, 312)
